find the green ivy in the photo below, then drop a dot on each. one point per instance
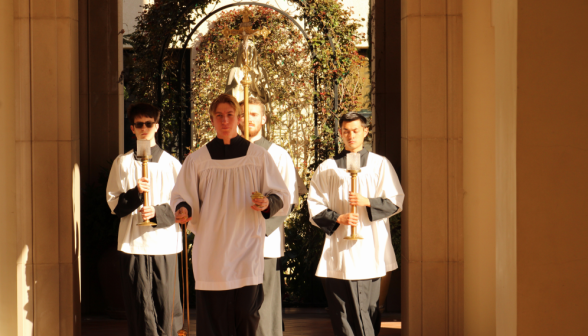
(340, 65)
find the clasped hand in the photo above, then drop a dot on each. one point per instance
(147, 212)
(353, 218)
(143, 185)
(260, 204)
(358, 200)
(182, 216)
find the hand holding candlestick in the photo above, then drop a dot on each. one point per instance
(353, 168)
(144, 153)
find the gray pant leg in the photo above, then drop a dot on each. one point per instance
(353, 306)
(148, 290)
(233, 312)
(166, 294)
(270, 313)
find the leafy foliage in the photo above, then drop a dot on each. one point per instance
(295, 67)
(162, 23)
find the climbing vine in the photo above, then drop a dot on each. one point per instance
(295, 67)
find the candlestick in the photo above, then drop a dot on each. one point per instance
(144, 153)
(353, 168)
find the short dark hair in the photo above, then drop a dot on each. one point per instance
(224, 98)
(143, 110)
(352, 116)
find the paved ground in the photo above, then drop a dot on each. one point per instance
(298, 321)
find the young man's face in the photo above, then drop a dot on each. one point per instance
(256, 120)
(225, 121)
(140, 129)
(353, 135)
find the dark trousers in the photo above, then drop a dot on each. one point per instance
(270, 313)
(151, 291)
(353, 306)
(233, 312)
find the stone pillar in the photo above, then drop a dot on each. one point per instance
(101, 108)
(504, 19)
(432, 220)
(386, 67)
(101, 94)
(44, 154)
(10, 268)
(479, 175)
(551, 167)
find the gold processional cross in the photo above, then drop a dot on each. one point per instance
(245, 31)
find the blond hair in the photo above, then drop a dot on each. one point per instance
(226, 99)
(253, 101)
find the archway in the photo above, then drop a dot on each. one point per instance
(181, 68)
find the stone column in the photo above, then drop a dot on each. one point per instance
(101, 108)
(9, 265)
(46, 147)
(432, 220)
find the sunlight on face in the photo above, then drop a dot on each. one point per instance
(353, 135)
(256, 120)
(144, 133)
(225, 121)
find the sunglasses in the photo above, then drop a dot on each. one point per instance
(140, 124)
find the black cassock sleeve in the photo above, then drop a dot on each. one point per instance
(327, 221)
(128, 202)
(380, 208)
(275, 205)
(164, 216)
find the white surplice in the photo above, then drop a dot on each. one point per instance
(124, 174)
(228, 234)
(274, 243)
(372, 256)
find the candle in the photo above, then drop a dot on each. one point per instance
(143, 148)
(353, 161)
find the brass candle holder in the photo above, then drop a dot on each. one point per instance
(353, 168)
(144, 153)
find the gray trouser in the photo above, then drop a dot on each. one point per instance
(233, 312)
(270, 323)
(353, 306)
(151, 291)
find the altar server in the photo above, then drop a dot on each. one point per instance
(149, 253)
(351, 269)
(214, 195)
(270, 323)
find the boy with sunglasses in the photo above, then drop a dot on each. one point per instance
(148, 253)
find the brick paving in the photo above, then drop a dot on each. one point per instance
(298, 321)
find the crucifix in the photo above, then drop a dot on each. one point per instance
(245, 31)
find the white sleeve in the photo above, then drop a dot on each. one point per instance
(186, 190)
(288, 172)
(389, 186)
(117, 184)
(273, 183)
(318, 196)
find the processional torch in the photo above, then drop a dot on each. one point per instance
(353, 168)
(144, 154)
(245, 31)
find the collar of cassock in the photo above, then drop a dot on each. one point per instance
(219, 151)
(156, 152)
(264, 143)
(341, 158)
